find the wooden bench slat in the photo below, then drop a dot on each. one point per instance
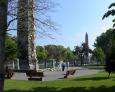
(8, 73)
(70, 72)
(32, 74)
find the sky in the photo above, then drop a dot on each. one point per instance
(76, 17)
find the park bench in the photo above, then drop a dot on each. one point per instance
(8, 73)
(69, 72)
(35, 75)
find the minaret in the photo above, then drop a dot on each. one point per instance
(26, 51)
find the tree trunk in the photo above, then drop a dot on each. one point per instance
(3, 28)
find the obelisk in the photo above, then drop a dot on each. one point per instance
(86, 52)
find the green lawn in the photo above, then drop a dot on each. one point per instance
(92, 83)
(94, 67)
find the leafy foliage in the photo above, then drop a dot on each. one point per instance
(111, 5)
(99, 55)
(10, 48)
(110, 60)
(55, 52)
(41, 53)
(69, 55)
(104, 40)
(110, 12)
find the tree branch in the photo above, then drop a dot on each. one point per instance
(11, 22)
(11, 29)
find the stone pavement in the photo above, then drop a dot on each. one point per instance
(55, 75)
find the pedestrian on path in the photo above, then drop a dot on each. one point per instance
(63, 66)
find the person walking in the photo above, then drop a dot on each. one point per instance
(63, 66)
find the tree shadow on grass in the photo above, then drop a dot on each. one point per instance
(69, 89)
(93, 79)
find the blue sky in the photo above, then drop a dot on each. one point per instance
(74, 19)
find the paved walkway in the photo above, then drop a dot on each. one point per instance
(54, 75)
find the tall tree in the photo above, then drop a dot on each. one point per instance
(104, 40)
(110, 60)
(3, 28)
(99, 55)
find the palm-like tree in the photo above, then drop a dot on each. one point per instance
(110, 12)
(110, 64)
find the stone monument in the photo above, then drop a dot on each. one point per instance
(26, 50)
(86, 50)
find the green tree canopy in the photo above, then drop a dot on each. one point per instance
(69, 55)
(110, 59)
(99, 55)
(55, 51)
(41, 53)
(10, 48)
(104, 40)
(111, 12)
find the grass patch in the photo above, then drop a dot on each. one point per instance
(92, 83)
(94, 67)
